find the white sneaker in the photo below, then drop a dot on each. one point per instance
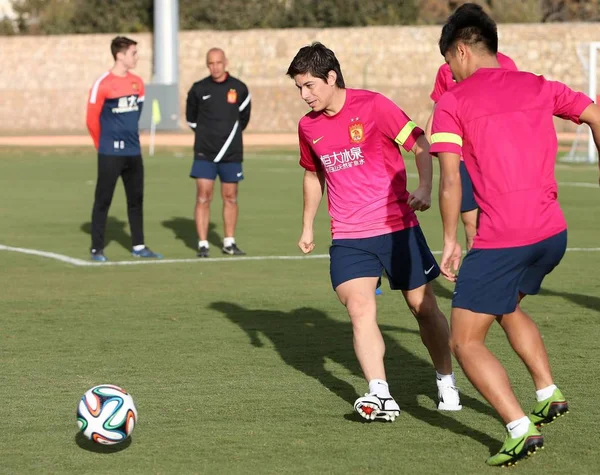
(449, 398)
(372, 407)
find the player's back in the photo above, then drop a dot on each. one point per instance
(509, 126)
(510, 147)
(444, 79)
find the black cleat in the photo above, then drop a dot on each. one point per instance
(233, 250)
(202, 252)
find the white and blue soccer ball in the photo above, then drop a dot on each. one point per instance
(106, 414)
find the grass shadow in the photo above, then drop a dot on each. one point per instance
(440, 291)
(185, 231)
(86, 444)
(306, 338)
(115, 231)
(587, 301)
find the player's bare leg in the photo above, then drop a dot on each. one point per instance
(435, 335)
(229, 194)
(358, 296)
(204, 194)
(489, 377)
(525, 338)
(469, 219)
(483, 369)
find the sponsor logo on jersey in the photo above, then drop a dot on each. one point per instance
(232, 96)
(126, 104)
(343, 159)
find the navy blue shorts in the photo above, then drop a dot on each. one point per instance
(404, 255)
(489, 280)
(229, 172)
(468, 202)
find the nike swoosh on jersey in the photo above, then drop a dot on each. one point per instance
(205, 97)
(317, 139)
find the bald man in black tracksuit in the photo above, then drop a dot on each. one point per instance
(218, 110)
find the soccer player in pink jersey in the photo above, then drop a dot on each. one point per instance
(350, 142)
(502, 123)
(468, 206)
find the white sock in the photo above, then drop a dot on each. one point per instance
(202, 244)
(545, 393)
(139, 247)
(519, 427)
(445, 379)
(228, 241)
(379, 387)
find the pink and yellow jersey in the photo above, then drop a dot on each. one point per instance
(113, 112)
(502, 123)
(444, 80)
(358, 150)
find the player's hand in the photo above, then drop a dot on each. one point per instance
(306, 242)
(450, 262)
(420, 199)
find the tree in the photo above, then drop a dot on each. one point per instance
(570, 10)
(82, 16)
(7, 27)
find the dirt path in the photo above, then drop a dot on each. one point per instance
(165, 139)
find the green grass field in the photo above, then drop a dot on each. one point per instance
(247, 366)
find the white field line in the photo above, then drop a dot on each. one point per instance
(578, 184)
(83, 263)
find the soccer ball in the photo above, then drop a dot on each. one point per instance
(106, 414)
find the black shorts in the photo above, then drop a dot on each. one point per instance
(468, 202)
(489, 280)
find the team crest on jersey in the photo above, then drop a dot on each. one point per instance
(232, 96)
(134, 86)
(357, 131)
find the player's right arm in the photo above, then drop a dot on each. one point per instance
(94, 109)
(429, 123)
(191, 108)
(313, 187)
(447, 146)
(439, 87)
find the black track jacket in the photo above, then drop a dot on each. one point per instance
(218, 112)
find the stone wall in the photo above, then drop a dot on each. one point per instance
(45, 80)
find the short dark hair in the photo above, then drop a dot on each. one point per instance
(471, 25)
(317, 60)
(120, 44)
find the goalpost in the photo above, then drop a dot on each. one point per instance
(583, 148)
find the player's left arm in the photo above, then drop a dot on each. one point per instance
(447, 145)
(420, 199)
(397, 126)
(591, 117)
(576, 107)
(245, 107)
